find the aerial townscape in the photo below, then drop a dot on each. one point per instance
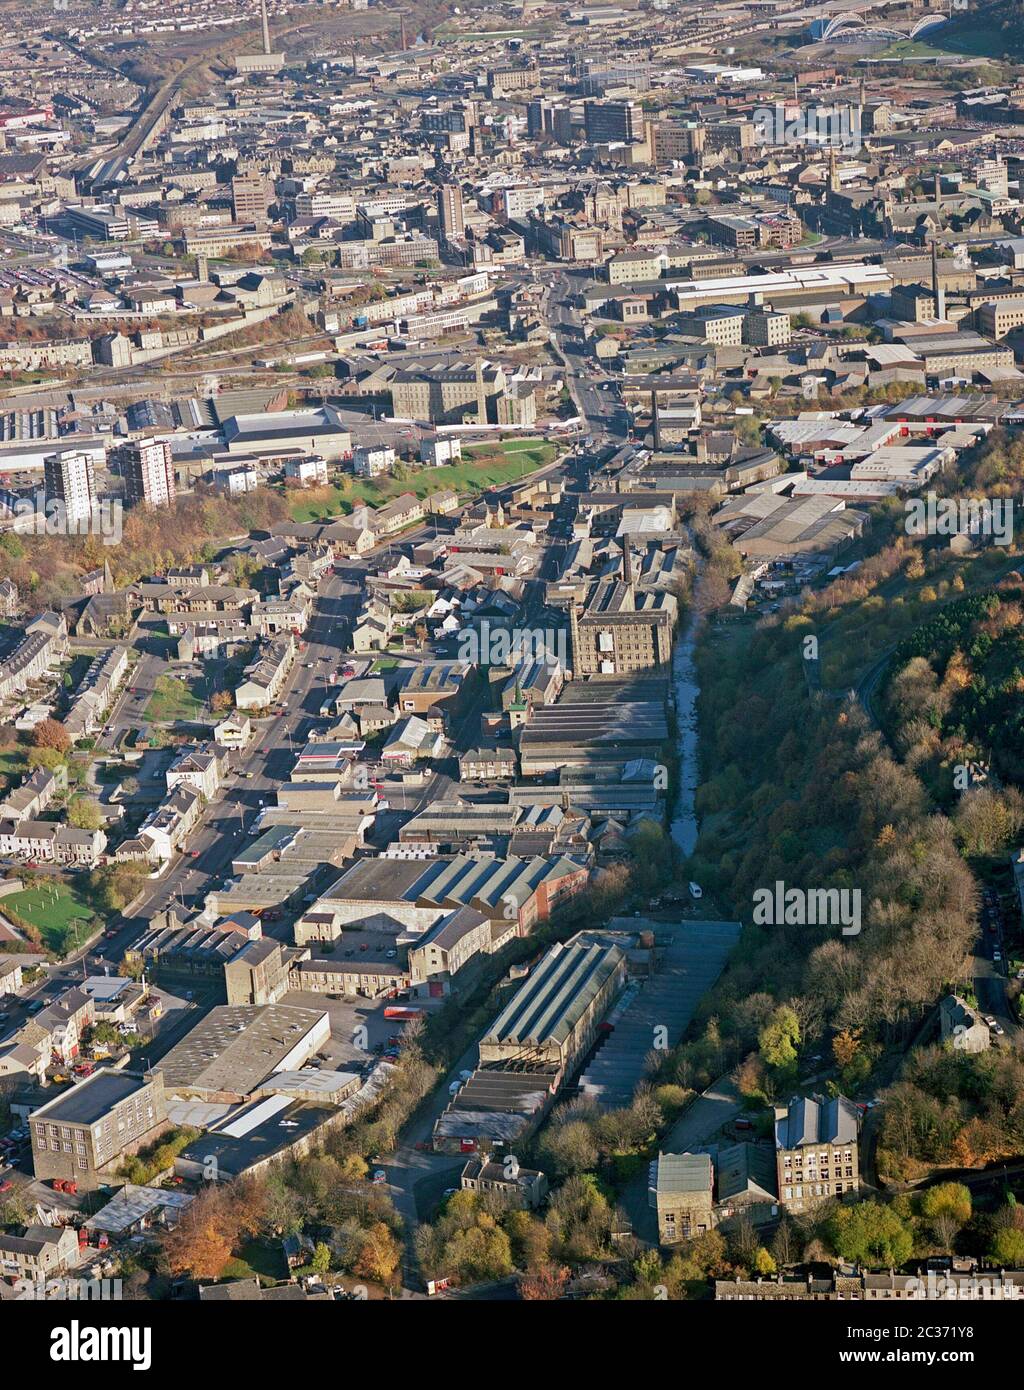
(512, 655)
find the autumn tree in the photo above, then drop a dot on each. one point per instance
(545, 1284)
(201, 1243)
(845, 1046)
(51, 733)
(379, 1255)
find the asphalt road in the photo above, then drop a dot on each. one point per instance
(601, 409)
(232, 811)
(990, 986)
(129, 707)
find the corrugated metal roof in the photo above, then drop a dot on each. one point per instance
(551, 1002)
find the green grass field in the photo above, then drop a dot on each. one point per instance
(54, 908)
(257, 1260)
(172, 701)
(13, 762)
(913, 48)
(484, 465)
(974, 39)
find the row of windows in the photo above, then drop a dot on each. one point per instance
(687, 1227)
(126, 1118)
(630, 640)
(826, 1156)
(817, 1189)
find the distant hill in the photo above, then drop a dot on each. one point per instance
(991, 31)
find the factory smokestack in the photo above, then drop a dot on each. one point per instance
(938, 293)
(265, 25)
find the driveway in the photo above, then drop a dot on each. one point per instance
(696, 1126)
